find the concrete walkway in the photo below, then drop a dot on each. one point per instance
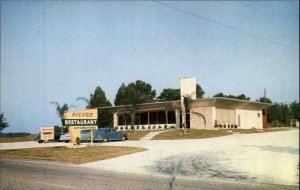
(150, 135)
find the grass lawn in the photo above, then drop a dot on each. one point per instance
(73, 155)
(17, 139)
(137, 135)
(192, 134)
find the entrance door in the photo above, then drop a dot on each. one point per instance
(188, 119)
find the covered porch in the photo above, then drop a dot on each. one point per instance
(147, 120)
(148, 116)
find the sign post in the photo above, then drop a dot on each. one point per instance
(92, 137)
(80, 120)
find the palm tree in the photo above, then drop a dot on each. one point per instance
(187, 101)
(96, 100)
(61, 110)
(87, 101)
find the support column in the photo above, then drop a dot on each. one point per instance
(116, 120)
(177, 118)
(166, 116)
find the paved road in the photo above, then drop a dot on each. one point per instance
(16, 174)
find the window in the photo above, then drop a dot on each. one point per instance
(153, 117)
(161, 117)
(171, 117)
(144, 118)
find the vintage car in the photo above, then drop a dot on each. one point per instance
(86, 135)
(103, 134)
(65, 138)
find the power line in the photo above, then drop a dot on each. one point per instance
(278, 15)
(227, 26)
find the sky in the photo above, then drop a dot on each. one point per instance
(61, 50)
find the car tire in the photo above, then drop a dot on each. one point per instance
(67, 141)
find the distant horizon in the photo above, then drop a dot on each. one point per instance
(61, 50)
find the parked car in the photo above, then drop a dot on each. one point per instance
(65, 138)
(109, 134)
(86, 135)
(103, 134)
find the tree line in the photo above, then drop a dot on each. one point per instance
(281, 114)
(138, 92)
(134, 93)
(278, 114)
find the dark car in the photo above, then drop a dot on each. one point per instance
(103, 134)
(109, 134)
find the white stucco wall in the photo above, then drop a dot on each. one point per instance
(249, 119)
(188, 87)
(225, 116)
(197, 121)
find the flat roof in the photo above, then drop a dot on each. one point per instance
(238, 104)
(217, 102)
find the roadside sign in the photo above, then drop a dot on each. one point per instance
(47, 133)
(80, 120)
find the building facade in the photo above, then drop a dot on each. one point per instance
(204, 113)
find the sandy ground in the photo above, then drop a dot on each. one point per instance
(263, 158)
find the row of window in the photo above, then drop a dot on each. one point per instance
(145, 118)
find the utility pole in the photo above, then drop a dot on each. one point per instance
(265, 95)
(265, 110)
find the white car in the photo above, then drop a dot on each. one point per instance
(65, 137)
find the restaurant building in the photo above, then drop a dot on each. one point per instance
(202, 113)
